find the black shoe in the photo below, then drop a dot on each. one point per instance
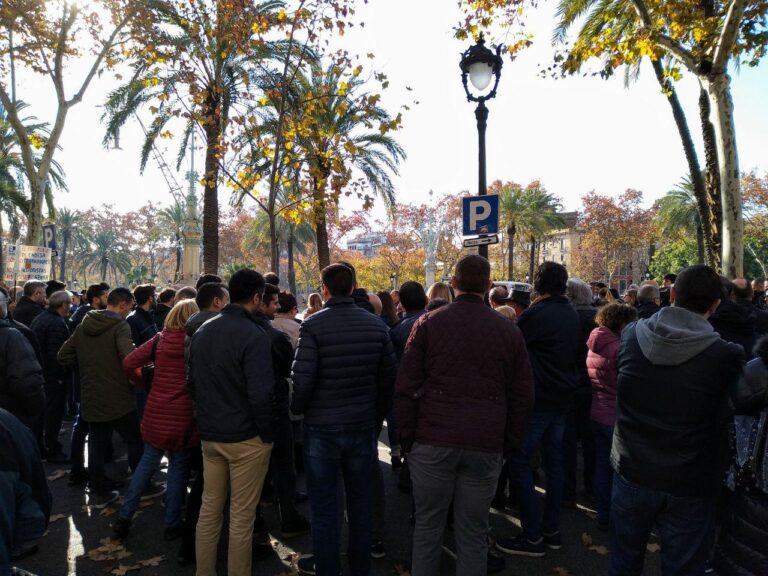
(397, 463)
(521, 546)
(297, 527)
(171, 533)
(495, 563)
(377, 549)
(261, 551)
(499, 503)
(553, 541)
(186, 555)
(101, 500)
(77, 477)
(121, 528)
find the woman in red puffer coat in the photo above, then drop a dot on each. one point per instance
(603, 369)
(168, 425)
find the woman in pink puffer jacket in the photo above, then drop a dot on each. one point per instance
(603, 368)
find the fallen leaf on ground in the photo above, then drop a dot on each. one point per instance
(293, 572)
(109, 550)
(106, 511)
(56, 517)
(562, 571)
(85, 508)
(401, 569)
(292, 559)
(154, 561)
(56, 475)
(586, 539)
(653, 547)
(146, 503)
(123, 554)
(601, 550)
(123, 570)
(274, 543)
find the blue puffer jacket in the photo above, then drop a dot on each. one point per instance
(344, 368)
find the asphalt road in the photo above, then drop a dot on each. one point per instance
(76, 530)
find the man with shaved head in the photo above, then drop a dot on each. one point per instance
(743, 296)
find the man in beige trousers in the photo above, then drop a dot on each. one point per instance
(231, 382)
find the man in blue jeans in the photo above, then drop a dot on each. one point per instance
(343, 379)
(552, 333)
(670, 441)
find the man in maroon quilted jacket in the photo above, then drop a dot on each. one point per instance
(463, 395)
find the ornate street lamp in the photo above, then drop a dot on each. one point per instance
(482, 67)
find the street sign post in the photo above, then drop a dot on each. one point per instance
(481, 241)
(480, 215)
(49, 236)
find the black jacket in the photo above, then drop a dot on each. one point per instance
(736, 324)
(22, 390)
(77, 317)
(675, 378)
(360, 297)
(51, 331)
(587, 323)
(647, 309)
(27, 310)
(552, 332)
(143, 326)
(344, 369)
(761, 316)
(400, 332)
(161, 311)
(282, 358)
(230, 378)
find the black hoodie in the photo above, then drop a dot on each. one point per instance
(736, 324)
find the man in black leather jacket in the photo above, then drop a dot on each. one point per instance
(670, 443)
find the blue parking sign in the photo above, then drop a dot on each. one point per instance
(481, 215)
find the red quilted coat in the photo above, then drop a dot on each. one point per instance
(168, 422)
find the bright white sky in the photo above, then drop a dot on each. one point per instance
(576, 135)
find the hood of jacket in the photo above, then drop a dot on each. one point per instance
(198, 319)
(97, 322)
(600, 338)
(673, 336)
(732, 315)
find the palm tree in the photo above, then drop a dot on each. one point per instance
(340, 137)
(512, 214)
(201, 55)
(172, 219)
(73, 231)
(543, 215)
(108, 254)
(678, 215)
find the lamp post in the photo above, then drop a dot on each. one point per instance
(481, 65)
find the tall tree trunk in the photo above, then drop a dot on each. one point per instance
(210, 195)
(719, 90)
(532, 263)
(64, 249)
(321, 230)
(2, 251)
(291, 265)
(274, 245)
(179, 257)
(700, 246)
(511, 254)
(694, 167)
(714, 225)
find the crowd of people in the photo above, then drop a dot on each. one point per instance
(663, 390)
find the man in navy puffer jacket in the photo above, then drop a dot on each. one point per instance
(343, 377)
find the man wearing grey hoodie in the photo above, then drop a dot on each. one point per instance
(670, 440)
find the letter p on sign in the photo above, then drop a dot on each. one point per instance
(481, 215)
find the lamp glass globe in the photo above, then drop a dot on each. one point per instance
(480, 74)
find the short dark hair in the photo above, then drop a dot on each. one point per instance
(354, 273)
(287, 302)
(53, 286)
(412, 296)
(551, 278)
(96, 290)
(119, 295)
(437, 303)
(207, 293)
(142, 293)
(271, 291)
(207, 279)
(272, 278)
(697, 288)
(472, 274)
(244, 285)
(339, 279)
(166, 295)
(671, 277)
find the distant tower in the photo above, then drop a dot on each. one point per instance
(191, 232)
